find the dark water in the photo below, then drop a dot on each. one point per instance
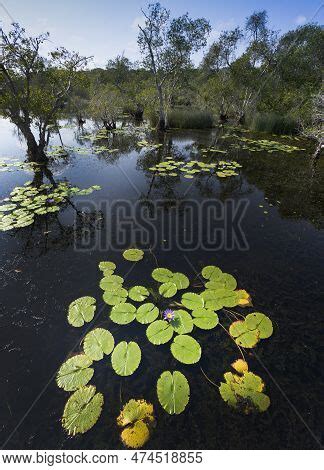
(280, 262)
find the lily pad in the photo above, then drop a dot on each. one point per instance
(74, 373)
(162, 275)
(182, 322)
(173, 392)
(81, 311)
(133, 254)
(82, 410)
(261, 322)
(180, 280)
(107, 267)
(126, 358)
(147, 313)
(159, 332)
(186, 349)
(111, 282)
(192, 301)
(243, 336)
(138, 293)
(168, 289)
(137, 419)
(97, 343)
(205, 319)
(123, 313)
(211, 272)
(115, 297)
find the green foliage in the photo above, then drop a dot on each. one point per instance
(255, 326)
(147, 313)
(274, 124)
(186, 349)
(190, 119)
(173, 392)
(97, 343)
(126, 358)
(74, 373)
(159, 332)
(82, 410)
(81, 311)
(138, 293)
(133, 255)
(123, 313)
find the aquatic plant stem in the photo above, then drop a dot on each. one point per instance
(239, 348)
(207, 378)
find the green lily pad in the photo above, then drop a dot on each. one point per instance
(74, 373)
(111, 282)
(159, 332)
(186, 349)
(211, 301)
(182, 322)
(81, 311)
(133, 254)
(138, 293)
(162, 275)
(126, 358)
(107, 266)
(243, 336)
(123, 313)
(192, 301)
(147, 313)
(173, 392)
(82, 410)
(180, 280)
(115, 297)
(168, 289)
(97, 343)
(260, 322)
(211, 272)
(205, 319)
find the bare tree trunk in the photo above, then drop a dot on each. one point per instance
(162, 124)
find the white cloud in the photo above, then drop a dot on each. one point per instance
(300, 19)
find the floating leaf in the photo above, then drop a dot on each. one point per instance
(223, 281)
(243, 336)
(211, 272)
(123, 313)
(111, 282)
(147, 313)
(74, 373)
(205, 319)
(115, 297)
(97, 343)
(244, 298)
(240, 366)
(186, 349)
(180, 280)
(126, 358)
(211, 300)
(260, 322)
(182, 322)
(138, 293)
(173, 392)
(137, 419)
(107, 266)
(81, 311)
(133, 254)
(159, 332)
(82, 410)
(192, 301)
(168, 289)
(162, 275)
(244, 392)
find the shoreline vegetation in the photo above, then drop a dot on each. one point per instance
(251, 76)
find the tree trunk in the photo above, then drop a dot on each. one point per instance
(162, 124)
(35, 151)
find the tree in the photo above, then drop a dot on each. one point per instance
(222, 52)
(256, 25)
(167, 46)
(34, 89)
(105, 106)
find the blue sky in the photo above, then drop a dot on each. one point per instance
(104, 28)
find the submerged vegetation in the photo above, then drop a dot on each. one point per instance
(168, 318)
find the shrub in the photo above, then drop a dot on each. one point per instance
(274, 123)
(189, 118)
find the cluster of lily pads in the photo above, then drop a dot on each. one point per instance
(269, 146)
(11, 164)
(28, 201)
(166, 319)
(171, 167)
(148, 145)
